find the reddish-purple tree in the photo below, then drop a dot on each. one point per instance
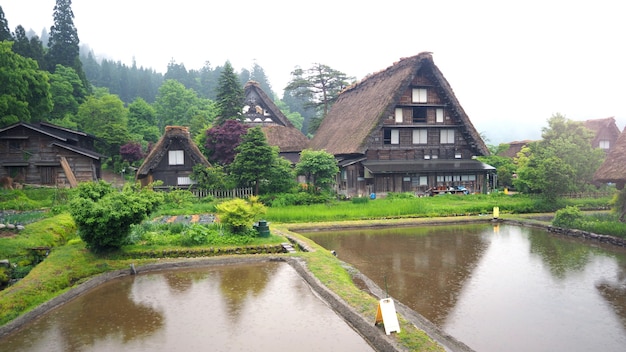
(222, 140)
(131, 152)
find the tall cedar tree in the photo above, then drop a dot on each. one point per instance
(253, 160)
(5, 33)
(63, 42)
(230, 95)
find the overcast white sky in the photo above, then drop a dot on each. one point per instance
(512, 64)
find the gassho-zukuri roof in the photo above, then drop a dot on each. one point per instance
(613, 169)
(261, 111)
(172, 133)
(361, 108)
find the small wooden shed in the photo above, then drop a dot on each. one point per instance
(172, 159)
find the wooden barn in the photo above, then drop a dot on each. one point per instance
(172, 159)
(403, 130)
(260, 110)
(605, 132)
(46, 154)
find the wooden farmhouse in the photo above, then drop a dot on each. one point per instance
(613, 169)
(403, 130)
(46, 154)
(260, 110)
(172, 159)
(605, 132)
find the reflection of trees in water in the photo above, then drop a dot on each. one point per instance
(93, 320)
(425, 267)
(181, 281)
(238, 282)
(561, 255)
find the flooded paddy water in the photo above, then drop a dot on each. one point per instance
(497, 288)
(238, 307)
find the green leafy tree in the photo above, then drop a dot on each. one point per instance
(105, 116)
(25, 93)
(505, 166)
(176, 105)
(67, 92)
(319, 167)
(258, 75)
(142, 121)
(21, 43)
(63, 42)
(563, 161)
(253, 160)
(230, 95)
(211, 177)
(280, 178)
(5, 33)
(320, 86)
(294, 117)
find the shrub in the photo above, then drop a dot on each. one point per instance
(105, 223)
(238, 214)
(568, 217)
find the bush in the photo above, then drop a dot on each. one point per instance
(238, 214)
(568, 217)
(105, 222)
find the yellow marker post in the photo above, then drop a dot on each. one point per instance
(496, 212)
(386, 314)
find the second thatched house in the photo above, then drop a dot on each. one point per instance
(613, 169)
(605, 132)
(172, 159)
(403, 130)
(259, 110)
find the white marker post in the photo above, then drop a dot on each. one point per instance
(386, 314)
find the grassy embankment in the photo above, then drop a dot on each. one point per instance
(70, 263)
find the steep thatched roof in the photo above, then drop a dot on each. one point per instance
(172, 133)
(604, 129)
(261, 111)
(514, 148)
(360, 109)
(613, 169)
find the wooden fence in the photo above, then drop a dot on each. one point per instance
(229, 193)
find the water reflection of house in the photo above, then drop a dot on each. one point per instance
(47, 154)
(605, 132)
(172, 159)
(403, 130)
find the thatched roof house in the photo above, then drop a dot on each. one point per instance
(403, 129)
(514, 148)
(260, 110)
(606, 132)
(613, 169)
(172, 159)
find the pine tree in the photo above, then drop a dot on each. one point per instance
(5, 33)
(63, 42)
(230, 95)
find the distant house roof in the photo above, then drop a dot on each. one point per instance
(160, 149)
(360, 109)
(604, 129)
(261, 111)
(514, 148)
(613, 169)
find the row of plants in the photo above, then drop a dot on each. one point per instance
(572, 217)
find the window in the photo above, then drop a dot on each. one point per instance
(439, 118)
(391, 136)
(399, 117)
(604, 144)
(185, 181)
(419, 114)
(176, 157)
(420, 95)
(420, 136)
(446, 137)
